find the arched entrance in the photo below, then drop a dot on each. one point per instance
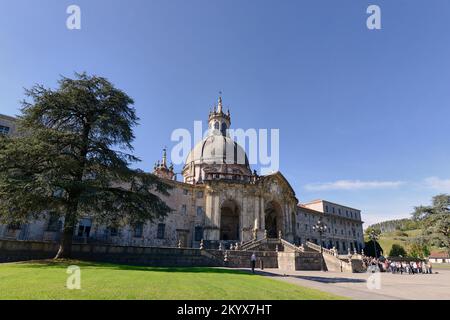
(229, 221)
(273, 219)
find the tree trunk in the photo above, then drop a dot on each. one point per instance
(65, 245)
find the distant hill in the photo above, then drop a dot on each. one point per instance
(397, 225)
(400, 231)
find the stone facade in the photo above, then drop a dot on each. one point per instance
(219, 201)
(344, 225)
(7, 125)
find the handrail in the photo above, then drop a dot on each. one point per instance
(290, 245)
(252, 243)
(318, 248)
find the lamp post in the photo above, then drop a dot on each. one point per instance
(374, 237)
(321, 228)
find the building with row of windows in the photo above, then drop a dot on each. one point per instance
(220, 200)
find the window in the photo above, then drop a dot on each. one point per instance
(54, 224)
(183, 209)
(224, 128)
(216, 125)
(138, 230)
(113, 231)
(306, 227)
(326, 208)
(185, 192)
(84, 227)
(14, 226)
(200, 194)
(339, 211)
(333, 210)
(199, 211)
(161, 229)
(198, 234)
(4, 130)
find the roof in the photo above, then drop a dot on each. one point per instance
(218, 149)
(283, 178)
(439, 255)
(309, 209)
(337, 204)
(6, 117)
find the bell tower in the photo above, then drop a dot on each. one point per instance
(162, 170)
(218, 121)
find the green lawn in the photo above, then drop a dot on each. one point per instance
(441, 266)
(47, 280)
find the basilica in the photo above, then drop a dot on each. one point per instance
(219, 202)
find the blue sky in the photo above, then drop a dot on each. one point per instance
(363, 115)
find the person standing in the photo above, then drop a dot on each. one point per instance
(253, 261)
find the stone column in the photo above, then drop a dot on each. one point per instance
(262, 214)
(212, 217)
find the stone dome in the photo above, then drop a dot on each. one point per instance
(217, 157)
(218, 149)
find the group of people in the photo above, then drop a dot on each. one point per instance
(407, 267)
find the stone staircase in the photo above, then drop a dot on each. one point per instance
(338, 263)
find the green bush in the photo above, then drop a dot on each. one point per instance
(397, 250)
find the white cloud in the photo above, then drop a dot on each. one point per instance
(353, 185)
(442, 185)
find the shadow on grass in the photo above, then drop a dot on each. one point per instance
(330, 280)
(315, 278)
(45, 264)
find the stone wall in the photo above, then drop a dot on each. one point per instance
(291, 261)
(152, 256)
(11, 250)
(242, 259)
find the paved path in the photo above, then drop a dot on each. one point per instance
(354, 285)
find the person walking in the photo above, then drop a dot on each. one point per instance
(253, 261)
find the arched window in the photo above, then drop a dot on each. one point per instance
(224, 128)
(216, 126)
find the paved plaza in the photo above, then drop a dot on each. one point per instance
(392, 286)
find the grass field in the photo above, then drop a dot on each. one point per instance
(441, 266)
(47, 280)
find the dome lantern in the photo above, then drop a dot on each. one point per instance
(218, 156)
(219, 122)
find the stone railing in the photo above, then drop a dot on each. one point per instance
(291, 246)
(331, 252)
(253, 243)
